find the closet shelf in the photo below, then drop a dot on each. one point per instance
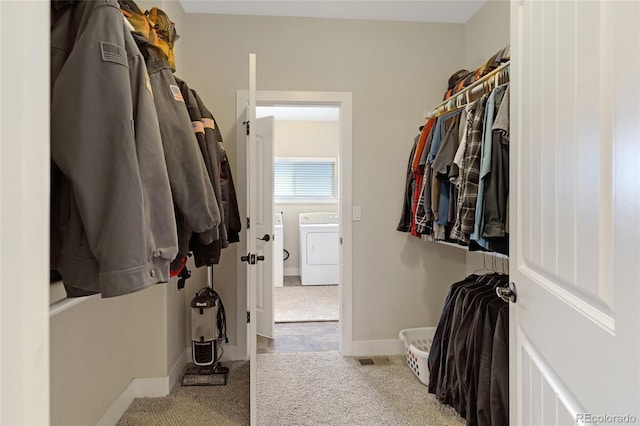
(465, 248)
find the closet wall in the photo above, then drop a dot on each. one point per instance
(486, 32)
(394, 71)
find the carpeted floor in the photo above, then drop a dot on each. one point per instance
(325, 388)
(305, 303)
(196, 405)
(301, 389)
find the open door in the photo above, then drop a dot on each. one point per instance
(259, 259)
(575, 227)
(263, 222)
(251, 258)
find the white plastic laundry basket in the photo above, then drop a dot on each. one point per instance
(417, 344)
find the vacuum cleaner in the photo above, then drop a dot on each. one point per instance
(208, 331)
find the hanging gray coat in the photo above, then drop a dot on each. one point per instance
(113, 227)
(193, 196)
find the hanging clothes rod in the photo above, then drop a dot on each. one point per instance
(467, 91)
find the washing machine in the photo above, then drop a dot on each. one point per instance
(278, 246)
(319, 248)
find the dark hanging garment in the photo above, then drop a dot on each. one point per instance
(499, 390)
(209, 254)
(195, 241)
(233, 223)
(469, 359)
(210, 154)
(407, 204)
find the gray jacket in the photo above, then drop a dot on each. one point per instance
(115, 231)
(192, 191)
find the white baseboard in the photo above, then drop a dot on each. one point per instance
(176, 372)
(291, 271)
(377, 347)
(118, 408)
(144, 387)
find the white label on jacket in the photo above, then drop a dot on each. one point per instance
(177, 95)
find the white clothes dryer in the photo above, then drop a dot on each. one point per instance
(319, 249)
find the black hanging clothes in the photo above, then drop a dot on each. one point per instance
(469, 354)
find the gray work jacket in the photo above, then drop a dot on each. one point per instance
(114, 230)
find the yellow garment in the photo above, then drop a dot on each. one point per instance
(156, 27)
(142, 25)
(166, 31)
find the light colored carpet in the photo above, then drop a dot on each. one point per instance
(196, 405)
(301, 389)
(325, 388)
(305, 303)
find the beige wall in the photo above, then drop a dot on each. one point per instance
(486, 32)
(394, 73)
(99, 346)
(306, 138)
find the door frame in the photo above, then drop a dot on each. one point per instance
(343, 100)
(24, 215)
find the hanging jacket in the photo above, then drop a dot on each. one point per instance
(232, 213)
(406, 217)
(203, 254)
(210, 254)
(115, 232)
(192, 192)
(229, 203)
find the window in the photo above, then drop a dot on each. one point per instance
(304, 179)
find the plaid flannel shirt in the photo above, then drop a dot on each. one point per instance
(469, 191)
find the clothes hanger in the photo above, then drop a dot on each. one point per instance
(484, 265)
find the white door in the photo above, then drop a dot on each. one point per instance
(263, 222)
(259, 178)
(575, 203)
(252, 276)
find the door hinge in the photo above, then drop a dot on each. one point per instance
(248, 317)
(247, 125)
(340, 240)
(248, 223)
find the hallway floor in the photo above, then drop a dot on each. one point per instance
(301, 337)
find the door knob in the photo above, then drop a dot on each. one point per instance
(266, 237)
(508, 294)
(260, 258)
(250, 258)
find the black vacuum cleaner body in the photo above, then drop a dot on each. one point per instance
(204, 330)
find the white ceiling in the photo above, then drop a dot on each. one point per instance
(445, 11)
